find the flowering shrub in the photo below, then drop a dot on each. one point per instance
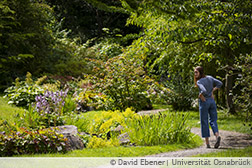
(24, 141)
(50, 107)
(123, 82)
(88, 100)
(157, 93)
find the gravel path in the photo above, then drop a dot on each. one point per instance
(229, 140)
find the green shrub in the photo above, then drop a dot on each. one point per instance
(158, 94)
(182, 95)
(26, 141)
(70, 105)
(81, 122)
(88, 99)
(123, 82)
(158, 129)
(24, 92)
(243, 98)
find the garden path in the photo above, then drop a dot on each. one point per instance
(229, 140)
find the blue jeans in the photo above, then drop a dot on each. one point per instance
(208, 110)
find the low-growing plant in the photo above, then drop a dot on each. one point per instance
(96, 142)
(6, 126)
(81, 122)
(109, 120)
(50, 107)
(48, 110)
(26, 141)
(158, 129)
(70, 105)
(23, 93)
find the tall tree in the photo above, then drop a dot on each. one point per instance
(25, 38)
(181, 34)
(87, 18)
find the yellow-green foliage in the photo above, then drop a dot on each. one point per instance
(51, 86)
(109, 120)
(96, 142)
(41, 80)
(28, 79)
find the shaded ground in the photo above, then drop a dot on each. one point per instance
(229, 140)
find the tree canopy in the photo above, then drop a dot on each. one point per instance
(166, 37)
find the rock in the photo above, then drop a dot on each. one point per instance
(119, 128)
(73, 140)
(67, 130)
(124, 139)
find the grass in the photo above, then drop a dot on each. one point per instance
(123, 151)
(7, 111)
(225, 121)
(161, 106)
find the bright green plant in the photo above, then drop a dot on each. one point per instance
(88, 99)
(26, 141)
(102, 127)
(159, 129)
(80, 121)
(24, 92)
(96, 142)
(109, 120)
(70, 105)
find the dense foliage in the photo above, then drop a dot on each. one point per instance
(123, 83)
(158, 129)
(243, 99)
(25, 37)
(179, 35)
(114, 55)
(25, 141)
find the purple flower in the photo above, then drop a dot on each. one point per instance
(47, 93)
(61, 93)
(65, 93)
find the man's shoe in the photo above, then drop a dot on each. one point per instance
(208, 146)
(217, 144)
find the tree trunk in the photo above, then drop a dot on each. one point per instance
(229, 93)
